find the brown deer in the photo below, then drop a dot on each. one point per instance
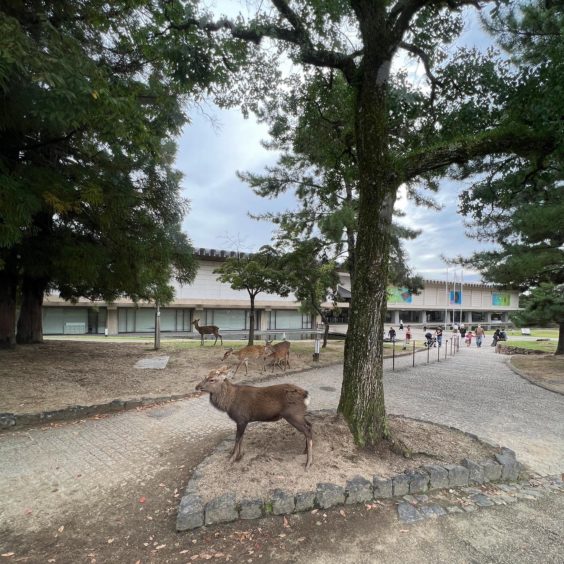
(246, 353)
(244, 404)
(275, 354)
(207, 330)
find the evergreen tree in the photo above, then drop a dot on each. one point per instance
(89, 201)
(448, 126)
(519, 203)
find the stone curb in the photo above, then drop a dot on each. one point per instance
(525, 376)
(15, 421)
(225, 508)
(412, 509)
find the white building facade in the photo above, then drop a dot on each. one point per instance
(216, 303)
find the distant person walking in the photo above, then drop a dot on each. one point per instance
(462, 330)
(401, 325)
(496, 337)
(439, 336)
(392, 334)
(468, 338)
(480, 333)
(408, 335)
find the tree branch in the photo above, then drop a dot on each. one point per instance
(507, 141)
(401, 14)
(297, 36)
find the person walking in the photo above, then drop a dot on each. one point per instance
(408, 334)
(439, 336)
(480, 333)
(392, 335)
(462, 330)
(496, 337)
(468, 338)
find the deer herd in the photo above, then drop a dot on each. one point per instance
(244, 404)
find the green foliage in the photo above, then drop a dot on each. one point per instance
(90, 98)
(256, 273)
(543, 305)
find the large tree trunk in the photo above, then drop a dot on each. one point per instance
(30, 322)
(8, 288)
(560, 346)
(362, 394)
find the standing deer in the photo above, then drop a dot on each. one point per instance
(244, 404)
(246, 353)
(207, 330)
(275, 354)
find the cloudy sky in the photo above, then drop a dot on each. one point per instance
(218, 143)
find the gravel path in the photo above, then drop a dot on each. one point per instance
(48, 470)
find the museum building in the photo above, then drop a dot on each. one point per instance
(215, 303)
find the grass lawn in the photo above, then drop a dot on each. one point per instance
(536, 332)
(547, 371)
(545, 346)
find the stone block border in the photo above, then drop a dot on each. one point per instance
(15, 421)
(194, 513)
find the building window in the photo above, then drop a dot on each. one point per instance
(281, 319)
(478, 316)
(435, 316)
(409, 316)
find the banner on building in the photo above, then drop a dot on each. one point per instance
(501, 299)
(455, 297)
(399, 296)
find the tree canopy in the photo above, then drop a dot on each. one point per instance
(519, 203)
(89, 198)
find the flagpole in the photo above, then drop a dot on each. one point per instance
(446, 296)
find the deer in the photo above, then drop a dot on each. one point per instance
(207, 330)
(244, 404)
(275, 354)
(246, 353)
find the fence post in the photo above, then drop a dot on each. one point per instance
(438, 353)
(393, 356)
(446, 348)
(316, 348)
(414, 353)
(428, 353)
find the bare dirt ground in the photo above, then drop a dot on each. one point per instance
(58, 374)
(273, 454)
(547, 370)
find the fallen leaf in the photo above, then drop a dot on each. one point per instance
(286, 524)
(142, 499)
(61, 528)
(28, 511)
(343, 513)
(314, 511)
(195, 557)
(8, 554)
(183, 551)
(218, 555)
(160, 546)
(110, 541)
(282, 535)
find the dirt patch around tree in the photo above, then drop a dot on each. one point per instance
(59, 374)
(273, 456)
(546, 371)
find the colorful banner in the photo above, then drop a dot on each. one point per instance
(501, 299)
(455, 297)
(399, 295)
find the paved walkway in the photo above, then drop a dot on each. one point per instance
(46, 470)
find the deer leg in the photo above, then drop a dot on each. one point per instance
(236, 454)
(246, 366)
(221, 337)
(215, 342)
(304, 426)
